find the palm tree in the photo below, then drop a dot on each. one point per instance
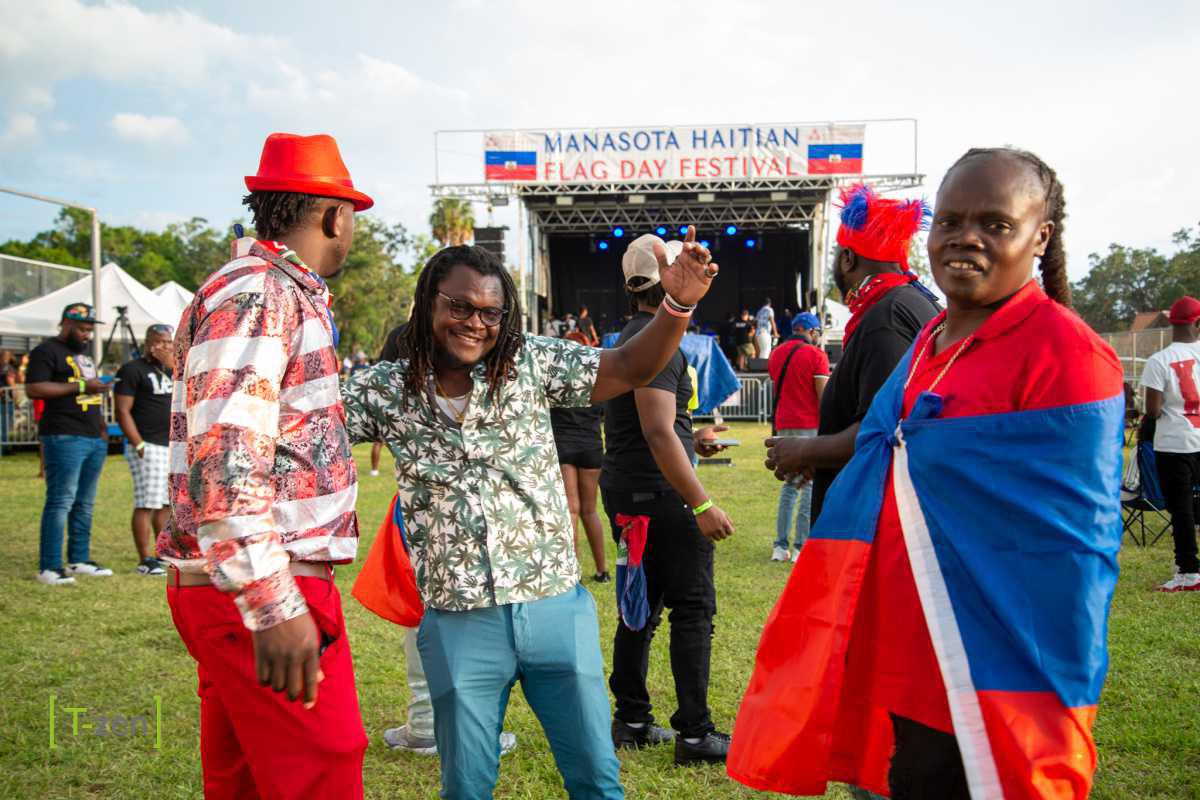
(452, 221)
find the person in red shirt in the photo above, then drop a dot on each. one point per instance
(799, 370)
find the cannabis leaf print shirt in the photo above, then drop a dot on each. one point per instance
(484, 502)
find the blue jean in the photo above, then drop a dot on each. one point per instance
(73, 465)
(552, 646)
(788, 495)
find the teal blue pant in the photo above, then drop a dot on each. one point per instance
(552, 646)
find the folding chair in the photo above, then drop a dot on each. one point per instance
(1141, 496)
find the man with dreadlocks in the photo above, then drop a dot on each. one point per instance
(943, 633)
(466, 415)
(262, 485)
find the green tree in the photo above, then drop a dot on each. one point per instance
(374, 292)
(452, 221)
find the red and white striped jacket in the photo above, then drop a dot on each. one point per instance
(261, 470)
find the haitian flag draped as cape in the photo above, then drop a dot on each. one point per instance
(1012, 523)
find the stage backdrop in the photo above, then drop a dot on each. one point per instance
(607, 155)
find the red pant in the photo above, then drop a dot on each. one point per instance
(255, 743)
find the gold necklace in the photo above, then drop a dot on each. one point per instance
(933, 340)
(459, 414)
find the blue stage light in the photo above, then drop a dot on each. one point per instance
(704, 242)
(660, 230)
(618, 233)
(683, 230)
(731, 230)
(750, 243)
(602, 245)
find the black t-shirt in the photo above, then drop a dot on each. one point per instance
(394, 344)
(741, 331)
(629, 465)
(73, 415)
(149, 384)
(586, 326)
(879, 342)
(577, 429)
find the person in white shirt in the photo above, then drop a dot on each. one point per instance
(765, 333)
(1171, 379)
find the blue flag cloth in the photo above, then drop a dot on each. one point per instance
(713, 371)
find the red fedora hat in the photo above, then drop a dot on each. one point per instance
(305, 165)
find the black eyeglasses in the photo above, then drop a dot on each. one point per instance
(461, 310)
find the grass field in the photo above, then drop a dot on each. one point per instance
(108, 645)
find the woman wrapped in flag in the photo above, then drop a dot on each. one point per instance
(943, 634)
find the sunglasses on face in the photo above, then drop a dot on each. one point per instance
(461, 310)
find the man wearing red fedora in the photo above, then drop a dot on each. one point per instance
(263, 486)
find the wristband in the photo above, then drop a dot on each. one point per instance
(667, 308)
(705, 506)
(82, 385)
(676, 305)
(140, 446)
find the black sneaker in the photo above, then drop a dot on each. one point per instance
(712, 749)
(151, 566)
(602, 577)
(630, 738)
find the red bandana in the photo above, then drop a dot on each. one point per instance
(868, 294)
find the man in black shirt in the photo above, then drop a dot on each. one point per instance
(889, 307)
(647, 473)
(143, 401)
(74, 442)
(743, 338)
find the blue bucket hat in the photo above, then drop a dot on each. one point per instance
(806, 321)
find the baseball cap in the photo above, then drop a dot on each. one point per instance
(639, 261)
(1184, 311)
(806, 321)
(82, 312)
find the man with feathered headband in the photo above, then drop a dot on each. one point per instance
(888, 308)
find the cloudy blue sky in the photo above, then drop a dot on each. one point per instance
(153, 111)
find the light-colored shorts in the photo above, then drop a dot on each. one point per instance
(149, 475)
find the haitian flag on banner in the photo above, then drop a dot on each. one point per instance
(510, 165)
(1014, 585)
(835, 159)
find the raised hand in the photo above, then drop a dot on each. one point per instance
(687, 280)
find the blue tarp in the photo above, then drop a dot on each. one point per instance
(715, 374)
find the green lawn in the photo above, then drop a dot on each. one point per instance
(108, 645)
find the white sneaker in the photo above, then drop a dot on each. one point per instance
(507, 742)
(779, 554)
(374, 473)
(1182, 582)
(90, 568)
(404, 739)
(795, 556)
(55, 577)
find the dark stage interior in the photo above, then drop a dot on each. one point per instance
(584, 273)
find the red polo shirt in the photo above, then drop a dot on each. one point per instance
(798, 403)
(1031, 354)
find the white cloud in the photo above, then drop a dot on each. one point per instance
(21, 127)
(154, 130)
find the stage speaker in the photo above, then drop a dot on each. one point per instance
(492, 240)
(756, 364)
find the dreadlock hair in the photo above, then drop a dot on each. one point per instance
(1053, 264)
(653, 296)
(500, 362)
(278, 213)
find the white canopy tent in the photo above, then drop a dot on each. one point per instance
(836, 317)
(176, 295)
(40, 316)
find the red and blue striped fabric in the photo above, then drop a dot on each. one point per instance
(1011, 522)
(510, 165)
(835, 159)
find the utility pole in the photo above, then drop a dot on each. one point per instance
(97, 341)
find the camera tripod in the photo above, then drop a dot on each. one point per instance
(122, 327)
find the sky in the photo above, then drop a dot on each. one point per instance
(154, 111)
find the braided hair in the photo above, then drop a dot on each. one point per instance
(279, 213)
(500, 362)
(1053, 264)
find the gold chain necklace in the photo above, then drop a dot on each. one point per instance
(932, 341)
(459, 414)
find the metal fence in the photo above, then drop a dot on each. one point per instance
(17, 425)
(1134, 348)
(752, 401)
(24, 279)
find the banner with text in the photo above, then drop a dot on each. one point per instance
(606, 155)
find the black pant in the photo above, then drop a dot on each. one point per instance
(1179, 474)
(679, 575)
(926, 765)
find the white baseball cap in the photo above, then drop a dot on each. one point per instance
(639, 261)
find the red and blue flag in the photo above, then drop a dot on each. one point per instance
(835, 159)
(510, 165)
(1012, 523)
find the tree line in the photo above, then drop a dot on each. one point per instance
(372, 295)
